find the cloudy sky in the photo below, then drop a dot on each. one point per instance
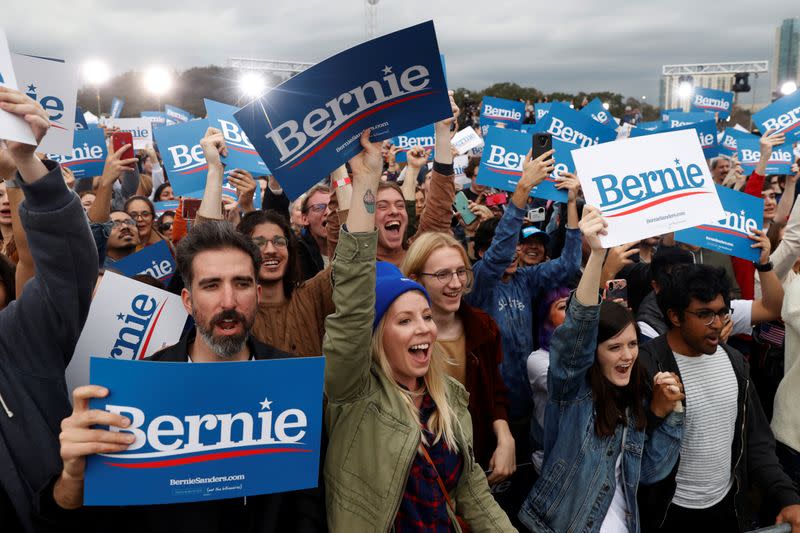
(570, 46)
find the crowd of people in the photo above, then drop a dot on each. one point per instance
(478, 376)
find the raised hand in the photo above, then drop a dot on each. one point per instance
(213, 145)
(245, 185)
(115, 166)
(534, 172)
(593, 225)
(34, 114)
(417, 157)
(762, 241)
(571, 183)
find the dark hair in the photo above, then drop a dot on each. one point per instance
(473, 163)
(294, 275)
(162, 216)
(212, 235)
(159, 190)
(701, 282)
(611, 403)
(774, 234)
(546, 327)
(484, 235)
(145, 199)
(665, 258)
(8, 279)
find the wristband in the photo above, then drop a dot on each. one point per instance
(766, 267)
(342, 182)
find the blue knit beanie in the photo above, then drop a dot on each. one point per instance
(389, 284)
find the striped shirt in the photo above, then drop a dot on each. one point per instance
(704, 473)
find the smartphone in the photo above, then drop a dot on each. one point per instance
(542, 142)
(535, 215)
(496, 199)
(190, 207)
(616, 289)
(462, 206)
(120, 139)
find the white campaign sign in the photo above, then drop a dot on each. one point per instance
(141, 128)
(54, 84)
(127, 320)
(466, 139)
(648, 186)
(12, 127)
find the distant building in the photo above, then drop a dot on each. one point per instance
(786, 59)
(718, 76)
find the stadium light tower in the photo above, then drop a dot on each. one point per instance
(370, 17)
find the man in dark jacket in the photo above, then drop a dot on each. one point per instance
(39, 330)
(726, 440)
(218, 266)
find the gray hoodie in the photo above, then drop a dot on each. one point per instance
(38, 333)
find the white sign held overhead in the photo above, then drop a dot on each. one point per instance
(12, 127)
(648, 186)
(141, 128)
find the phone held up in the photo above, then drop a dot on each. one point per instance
(542, 142)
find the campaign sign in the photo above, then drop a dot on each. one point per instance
(127, 320)
(648, 185)
(713, 101)
(257, 433)
(460, 163)
(166, 205)
(423, 137)
(656, 125)
(80, 120)
(182, 155)
(12, 127)
(504, 155)
(598, 112)
(241, 152)
(730, 234)
(782, 116)
(706, 132)
(157, 118)
(140, 128)
(467, 139)
(54, 84)
(728, 142)
(666, 112)
(501, 113)
(310, 124)
(749, 152)
(570, 126)
(155, 260)
(541, 109)
(676, 119)
(176, 115)
(88, 156)
(116, 107)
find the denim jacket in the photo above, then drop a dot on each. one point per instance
(578, 477)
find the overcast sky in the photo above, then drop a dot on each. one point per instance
(554, 46)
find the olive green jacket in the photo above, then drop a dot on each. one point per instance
(373, 439)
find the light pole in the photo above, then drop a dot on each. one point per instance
(158, 81)
(96, 73)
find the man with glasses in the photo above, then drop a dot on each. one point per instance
(314, 238)
(123, 238)
(727, 441)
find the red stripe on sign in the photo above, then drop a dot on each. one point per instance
(198, 169)
(208, 457)
(655, 202)
(245, 150)
(355, 119)
(152, 329)
(509, 172)
(723, 230)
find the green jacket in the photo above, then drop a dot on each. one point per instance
(373, 440)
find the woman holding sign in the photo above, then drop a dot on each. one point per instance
(596, 450)
(400, 452)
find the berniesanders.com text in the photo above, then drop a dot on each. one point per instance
(205, 480)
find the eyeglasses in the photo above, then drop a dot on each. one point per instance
(165, 226)
(277, 241)
(317, 208)
(707, 316)
(444, 276)
(126, 222)
(143, 214)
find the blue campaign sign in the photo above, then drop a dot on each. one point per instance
(541, 109)
(504, 154)
(749, 152)
(157, 118)
(182, 155)
(176, 114)
(501, 113)
(656, 125)
(728, 143)
(666, 112)
(310, 124)
(116, 107)
(729, 235)
(257, 433)
(713, 101)
(706, 134)
(241, 152)
(570, 126)
(598, 112)
(423, 137)
(80, 120)
(166, 205)
(155, 260)
(529, 128)
(783, 116)
(88, 155)
(676, 119)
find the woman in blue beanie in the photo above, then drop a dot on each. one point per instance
(400, 437)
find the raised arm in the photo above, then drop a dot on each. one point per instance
(348, 331)
(787, 198)
(213, 145)
(768, 307)
(112, 170)
(787, 252)
(766, 143)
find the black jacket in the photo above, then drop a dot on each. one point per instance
(753, 447)
(301, 511)
(651, 314)
(310, 256)
(38, 333)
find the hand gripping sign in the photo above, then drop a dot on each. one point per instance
(649, 185)
(241, 152)
(310, 124)
(12, 127)
(730, 234)
(749, 152)
(183, 156)
(781, 116)
(423, 137)
(501, 113)
(208, 431)
(504, 155)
